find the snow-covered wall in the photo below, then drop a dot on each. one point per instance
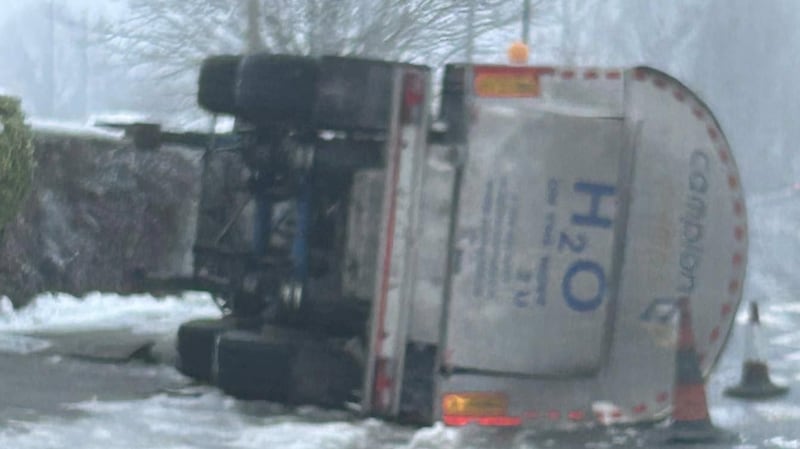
(99, 211)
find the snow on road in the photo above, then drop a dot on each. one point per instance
(197, 417)
(202, 417)
(73, 129)
(101, 311)
(207, 419)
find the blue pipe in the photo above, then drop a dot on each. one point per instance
(302, 229)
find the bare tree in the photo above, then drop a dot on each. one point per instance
(162, 42)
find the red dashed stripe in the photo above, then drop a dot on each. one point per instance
(589, 74)
(554, 415)
(738, 208)
(727, 308)
(580, 415)
(738, 233)
(724, 154)
(576, 415)
(714, 335)
(734, 184)
(616, 414)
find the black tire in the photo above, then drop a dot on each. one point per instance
(354, 94)
(195, 345)
(285, 365)
(251, 365)
(217, 84)
(277, 89)
(325, 375)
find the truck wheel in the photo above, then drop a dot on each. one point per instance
(285, 365)
(251, 365)
(354, 94)
(217, 84)
(195, 344)
(325, 375)
(277, 89)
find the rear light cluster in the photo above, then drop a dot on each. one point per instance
(484, 409)
(491, 410)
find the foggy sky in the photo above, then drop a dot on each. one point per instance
(739, 55)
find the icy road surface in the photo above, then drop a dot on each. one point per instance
(50, 399)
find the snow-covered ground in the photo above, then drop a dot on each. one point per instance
(101, 311)
(99, 126)
(73, 129)
(167, 411)
(214, 421)
(201, 417)
(198, 417)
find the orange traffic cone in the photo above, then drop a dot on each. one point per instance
(755, 383)
(691, 422)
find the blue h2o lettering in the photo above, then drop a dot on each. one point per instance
(577, 244)
(584, 304)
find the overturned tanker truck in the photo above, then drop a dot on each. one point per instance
(515, 259)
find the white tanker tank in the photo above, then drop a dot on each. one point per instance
(532, 255)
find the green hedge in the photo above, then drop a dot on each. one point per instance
(16, 159)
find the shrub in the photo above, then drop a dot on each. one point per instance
(16, 159)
